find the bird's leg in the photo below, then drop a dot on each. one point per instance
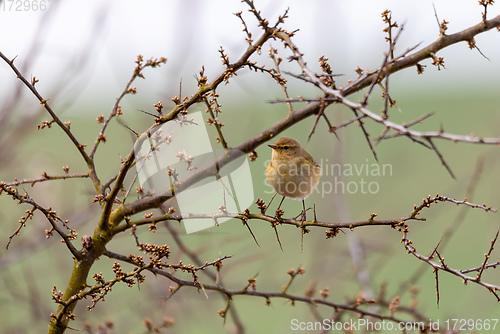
(304, 211)
(279, 206)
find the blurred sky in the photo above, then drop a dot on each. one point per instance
(90, 45)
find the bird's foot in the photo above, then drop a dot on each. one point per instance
(303, 215)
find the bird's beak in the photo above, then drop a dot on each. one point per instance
(272, 146)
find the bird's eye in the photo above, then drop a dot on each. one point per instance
(286, 147)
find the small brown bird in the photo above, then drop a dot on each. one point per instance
(292, 172)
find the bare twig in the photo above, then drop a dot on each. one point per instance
(46, 177)
(80, 147)
(442, 266)
(247, 215)
(50, 214)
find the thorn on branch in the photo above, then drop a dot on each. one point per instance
(276, 230)
(473, 45)
(244, 220)
(321, 113)
(443, 26)
(440, 156)
(366, 134)
(436, 276)
(487, 256)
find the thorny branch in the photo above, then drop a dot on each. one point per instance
(64, 126)
(399, 224)
(50, 214)
(391, 67)
(247, 215)
(355, 306)
(116, 110)
(292, 118)
(45, 177)
(444, 267)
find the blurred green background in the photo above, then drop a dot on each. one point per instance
(83, 54)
